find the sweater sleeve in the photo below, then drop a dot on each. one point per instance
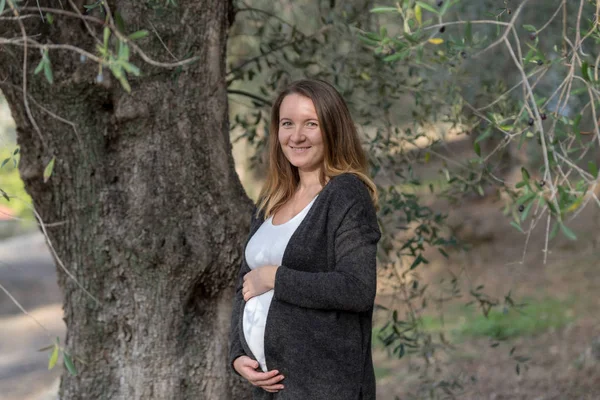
(353, 283)
(235, 345)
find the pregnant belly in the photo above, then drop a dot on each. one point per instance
(254, 321)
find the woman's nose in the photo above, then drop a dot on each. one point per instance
(297, 135)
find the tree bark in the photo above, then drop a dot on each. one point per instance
(153, 214)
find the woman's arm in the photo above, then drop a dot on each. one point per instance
(352, 286)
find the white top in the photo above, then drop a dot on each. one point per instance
(266, 247)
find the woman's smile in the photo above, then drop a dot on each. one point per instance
(300, 149)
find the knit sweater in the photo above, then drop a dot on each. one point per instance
(318, 329)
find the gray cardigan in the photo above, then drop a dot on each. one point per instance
(318, 329)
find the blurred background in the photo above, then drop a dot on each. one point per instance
(473, 302)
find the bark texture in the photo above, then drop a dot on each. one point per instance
(153, 214)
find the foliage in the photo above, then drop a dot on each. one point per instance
(11, 184)
(530, 319)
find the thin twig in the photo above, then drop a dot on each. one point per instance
(25, 99)
(24, 311)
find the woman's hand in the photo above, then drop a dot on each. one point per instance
(269, 381)
(259, 281)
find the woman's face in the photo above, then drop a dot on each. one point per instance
(300, 134)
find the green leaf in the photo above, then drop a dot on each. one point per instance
(593, 168)
(530, 54)
(526, 211)
(139, 34)
(69, 364)
(551, 206)
(4, 162)
(125, 83)
(53, 358)
(447, 5)
(2, 5)
(378, 10)
(529, 28)
(553, 232)
(477, 148)
(411, 38)
(428, 7)
(584, 71)
(396, 56)
(48, 72)
(48, 170)
(418, 261)
(513, 223)
(40, 66)
(106, 36)
(45, 348)
(525, 174)
(372, 36)
(130, 68)
(119, 22)
(103, 52)
(525, 198)
(567, 232)
(419, 14)
(367, 40)
(487, 133)
(123, 51)
(401, 350)
(16, 151)
(539, 101)
(49, 18)
(468, 34)
(117, 70)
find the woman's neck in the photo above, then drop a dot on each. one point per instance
(309, 181)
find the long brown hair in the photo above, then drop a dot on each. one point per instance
(342, 148)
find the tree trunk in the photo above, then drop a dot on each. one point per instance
(150, 213)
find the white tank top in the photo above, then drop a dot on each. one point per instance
(266, 247)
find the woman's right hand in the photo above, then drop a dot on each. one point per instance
(269, 381)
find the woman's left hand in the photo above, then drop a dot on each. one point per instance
(259, 281)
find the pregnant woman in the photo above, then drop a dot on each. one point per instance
(301, 323)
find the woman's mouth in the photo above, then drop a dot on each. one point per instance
(300, 149)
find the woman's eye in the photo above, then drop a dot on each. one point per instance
(286, 123)
(312, 124)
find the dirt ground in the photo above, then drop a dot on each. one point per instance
(562, 365)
